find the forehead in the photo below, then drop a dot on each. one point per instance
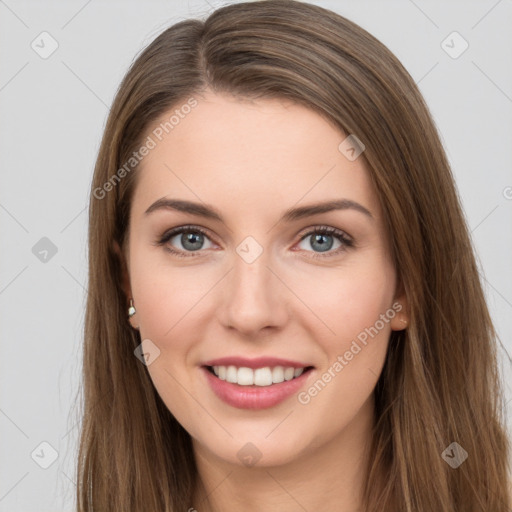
(267, 154)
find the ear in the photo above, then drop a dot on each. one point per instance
(125, 280)
(401, 307)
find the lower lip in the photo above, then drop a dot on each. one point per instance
(254, 397)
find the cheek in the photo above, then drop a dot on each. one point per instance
(348, 301)
(169, 307)
(165, 298)
(355, 340)
(355, 353)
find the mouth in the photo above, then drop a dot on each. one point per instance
(257, 377)
(248, 384)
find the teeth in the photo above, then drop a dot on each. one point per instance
(263, 376)
(245, 377)
(231, 374)
(260, 377)
(288, 373)
(278, 374)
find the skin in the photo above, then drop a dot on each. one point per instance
(252, 160)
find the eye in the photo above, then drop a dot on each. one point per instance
(322, 237)
(191, 239)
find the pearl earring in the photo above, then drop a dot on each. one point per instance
(131, 309)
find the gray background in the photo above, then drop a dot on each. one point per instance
(53, 112)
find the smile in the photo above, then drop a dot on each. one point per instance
(266, 376)
(255, 383)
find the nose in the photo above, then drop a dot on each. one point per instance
(253, 297)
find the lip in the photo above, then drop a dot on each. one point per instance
(259, 362)
(254, 397)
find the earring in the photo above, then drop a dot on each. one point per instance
(404, 321)
(131, 309)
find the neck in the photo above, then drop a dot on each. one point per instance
(330, 476)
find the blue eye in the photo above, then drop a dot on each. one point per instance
(322, 237)
(192, 240)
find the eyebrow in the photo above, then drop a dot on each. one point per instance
(292, 214)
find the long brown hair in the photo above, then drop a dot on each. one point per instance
(440, 383)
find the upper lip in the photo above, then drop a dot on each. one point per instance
(259, 362)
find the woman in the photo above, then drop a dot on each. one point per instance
(284, 311)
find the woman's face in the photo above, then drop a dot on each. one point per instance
(259, 291)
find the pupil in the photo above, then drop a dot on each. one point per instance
(324, 246)
(192, 238)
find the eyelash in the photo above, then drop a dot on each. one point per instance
(319, 230)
